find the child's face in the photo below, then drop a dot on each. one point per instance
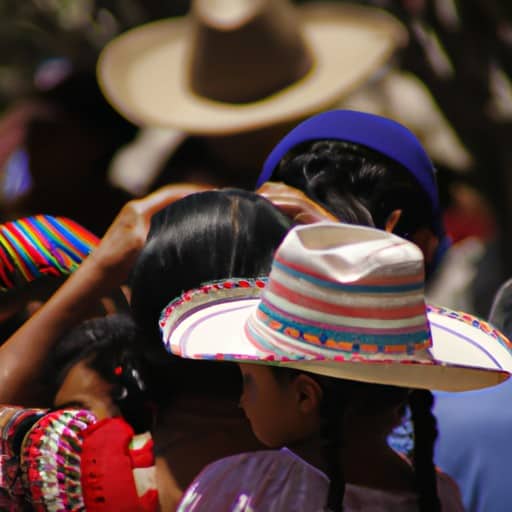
(280, 413)
(84, 388)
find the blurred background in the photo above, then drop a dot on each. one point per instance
(459, 54)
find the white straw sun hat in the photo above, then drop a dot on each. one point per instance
(238, 65)
(344, 301)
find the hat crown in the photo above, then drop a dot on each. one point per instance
(352, 255)
(245, 51)
(226, 14)
(339, 290)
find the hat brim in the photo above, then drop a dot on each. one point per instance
(465, 356)
(143, 73)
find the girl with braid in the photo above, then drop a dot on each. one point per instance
(338, 343)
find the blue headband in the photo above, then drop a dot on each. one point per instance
(375, 132)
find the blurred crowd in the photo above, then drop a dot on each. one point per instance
(254, 256)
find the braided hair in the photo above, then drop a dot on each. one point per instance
(332, 412)
(425, 433)
(336, 396)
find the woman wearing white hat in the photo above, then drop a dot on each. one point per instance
(343, 306)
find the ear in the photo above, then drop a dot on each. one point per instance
(309, 394)
(392, 220)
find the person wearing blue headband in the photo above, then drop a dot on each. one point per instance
(354, 161)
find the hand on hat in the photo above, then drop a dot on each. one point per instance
(126, 236)
(295, 204)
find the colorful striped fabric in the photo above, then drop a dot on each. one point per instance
(41, 245)
(50, 460)
(14, 424)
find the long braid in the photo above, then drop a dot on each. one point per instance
(425, 433)
(332, 412)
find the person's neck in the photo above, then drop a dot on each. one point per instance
(195, 430)
(371, 462)
(367, 462)
(312, 450)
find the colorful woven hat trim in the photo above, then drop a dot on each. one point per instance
(211, 292)
(468, 319)
(41, 245)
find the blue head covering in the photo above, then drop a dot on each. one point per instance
(375, 132)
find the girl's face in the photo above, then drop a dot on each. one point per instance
(280, 412)
(84, 388)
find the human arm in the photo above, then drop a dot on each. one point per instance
(295, 204)
(23, 355)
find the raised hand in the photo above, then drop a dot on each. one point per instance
(295, 204)
(127, 234)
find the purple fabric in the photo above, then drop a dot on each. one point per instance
(270, 481)
(280, 481)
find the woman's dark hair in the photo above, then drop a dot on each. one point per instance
(425, 434)
(110, 346)
(349, 178)
(338, 394)
(204, 237)
(78, 98)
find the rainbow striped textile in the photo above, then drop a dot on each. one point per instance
(41, 245)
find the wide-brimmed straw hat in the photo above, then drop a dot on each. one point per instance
(344, 301)
(238, 65)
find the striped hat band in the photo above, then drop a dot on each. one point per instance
(369, 316)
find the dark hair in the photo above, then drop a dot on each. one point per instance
(204, 237)
(425, 434)
(77, 101)
(109, 346)
(79, 97)
(348, 178)
(338, 393)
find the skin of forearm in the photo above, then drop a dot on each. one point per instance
(23, 355)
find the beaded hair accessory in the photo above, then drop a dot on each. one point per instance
(39, 246)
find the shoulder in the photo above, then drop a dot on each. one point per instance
(268, 480)
(449, 493)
